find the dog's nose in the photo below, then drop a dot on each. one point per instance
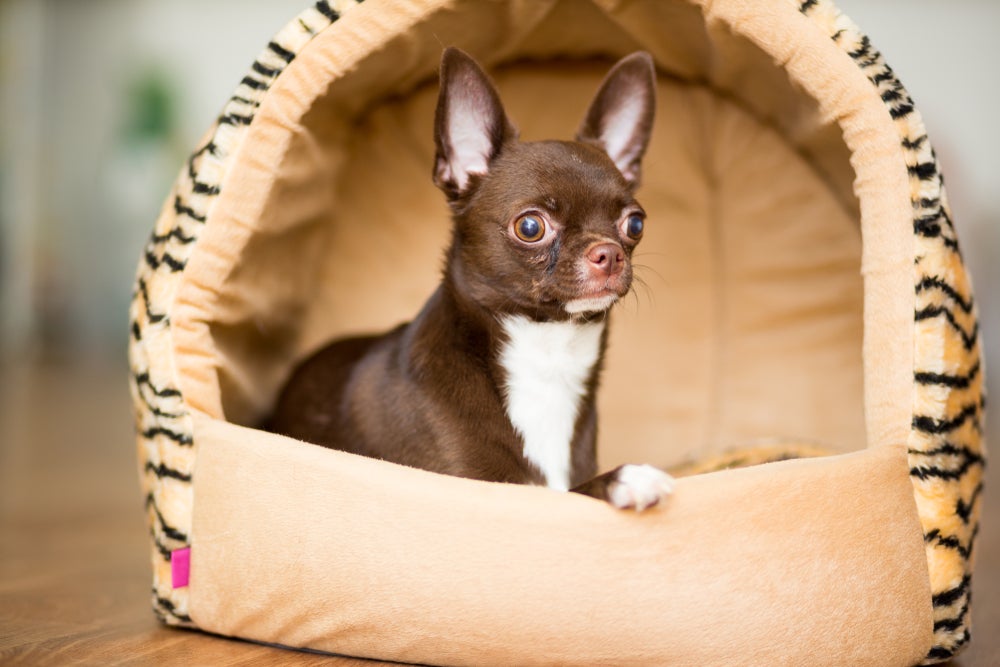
(606, 258)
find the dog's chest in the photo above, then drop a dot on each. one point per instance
(548, 365)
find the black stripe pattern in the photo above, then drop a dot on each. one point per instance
(167, 448)
(945, 451)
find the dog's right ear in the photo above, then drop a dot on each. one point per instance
(470, 126)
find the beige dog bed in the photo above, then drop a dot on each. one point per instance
(802, 284)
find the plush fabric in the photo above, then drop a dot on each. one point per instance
(463, 572)
(785, 156)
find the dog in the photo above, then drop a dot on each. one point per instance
(495, 378)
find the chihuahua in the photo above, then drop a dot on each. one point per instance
(495, 379)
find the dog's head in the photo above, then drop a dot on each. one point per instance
(544, 229)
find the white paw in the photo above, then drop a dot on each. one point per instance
(639, 487)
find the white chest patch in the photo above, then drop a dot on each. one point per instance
(547, 365)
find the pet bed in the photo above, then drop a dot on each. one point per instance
(803, 283)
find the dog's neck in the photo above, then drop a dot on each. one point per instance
(550, 370)
(545, 373)
(542, 374)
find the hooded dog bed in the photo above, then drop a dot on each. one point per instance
(803, 283)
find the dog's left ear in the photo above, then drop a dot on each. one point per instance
(620, 118)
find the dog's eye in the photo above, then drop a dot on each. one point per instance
(634, 225)
(529, 228)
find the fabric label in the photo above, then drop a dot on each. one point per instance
(180, 566)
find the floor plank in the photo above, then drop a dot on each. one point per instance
(74, 558)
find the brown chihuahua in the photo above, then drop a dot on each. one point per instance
(496, 377)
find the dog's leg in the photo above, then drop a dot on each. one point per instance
(630, 486)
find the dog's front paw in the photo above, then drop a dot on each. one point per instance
(638, 487)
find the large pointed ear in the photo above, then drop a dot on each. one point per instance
(470, 126)
(620, 118)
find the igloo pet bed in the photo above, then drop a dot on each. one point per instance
(804, 284)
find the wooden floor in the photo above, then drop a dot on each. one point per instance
(74, 570)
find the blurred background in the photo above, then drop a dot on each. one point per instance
(100, 101)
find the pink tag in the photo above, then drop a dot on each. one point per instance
(180, 567)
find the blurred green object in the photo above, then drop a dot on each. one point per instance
(150, 108)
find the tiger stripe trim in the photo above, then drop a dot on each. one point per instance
(945, 448)
(165, 441)
(163, 471)
(969, 338)
(933, 282)
(958, 381)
